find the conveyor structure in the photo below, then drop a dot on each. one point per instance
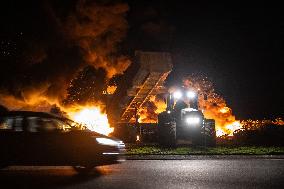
(148, 81)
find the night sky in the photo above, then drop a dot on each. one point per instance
(238, 45)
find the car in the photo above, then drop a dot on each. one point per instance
(38, 138)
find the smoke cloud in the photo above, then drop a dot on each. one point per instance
(54, 41)
(98, 28)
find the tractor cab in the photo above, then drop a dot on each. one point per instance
(183, 122)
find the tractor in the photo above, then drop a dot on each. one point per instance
(183, 123)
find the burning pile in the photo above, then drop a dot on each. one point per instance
(255, 124)
(93, 118)
(213, 105)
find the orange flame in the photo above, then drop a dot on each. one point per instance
(213, 106)
(149, 112)
(93, 118)
(224, 110)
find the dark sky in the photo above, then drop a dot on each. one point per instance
(238, 45)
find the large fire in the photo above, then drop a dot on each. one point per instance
(213, 107)
(93, 118)
(226, 124)
(86, 57)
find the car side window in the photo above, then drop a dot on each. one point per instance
(49, 125)
(18, 124)
(12, 123)
(45, 125)
(6, 123)
(39, 124)
(32, 124)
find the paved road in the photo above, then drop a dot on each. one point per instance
(207, 173)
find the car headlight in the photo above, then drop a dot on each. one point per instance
(192, 120)
(107, 141)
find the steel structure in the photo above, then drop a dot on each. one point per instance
(149, 80)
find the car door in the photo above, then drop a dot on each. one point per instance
(63, 143)
(6, 139)
(52, 141)
(37, 153)
(42, 135)
(71, 145)
(15, 144)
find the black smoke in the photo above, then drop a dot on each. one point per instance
(45, 44)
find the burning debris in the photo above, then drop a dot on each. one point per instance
(92, 117)
(213, 105)
(149, 112)
(255, 124)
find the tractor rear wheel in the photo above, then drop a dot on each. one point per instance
(166, 130)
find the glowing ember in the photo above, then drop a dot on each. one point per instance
(255, 124)
(93, 118)
(111, 89)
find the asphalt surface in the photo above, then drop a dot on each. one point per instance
(157, 174)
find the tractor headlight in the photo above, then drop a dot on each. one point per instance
(190, 94)
(192, 120)
(177, 94)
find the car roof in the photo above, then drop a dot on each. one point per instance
(41, 114)
(32, 114)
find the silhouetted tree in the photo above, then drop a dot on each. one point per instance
(88, 86)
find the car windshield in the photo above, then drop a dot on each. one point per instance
(74, 125)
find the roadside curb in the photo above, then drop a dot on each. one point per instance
(201, 157)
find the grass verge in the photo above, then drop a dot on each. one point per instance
(246, 150)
